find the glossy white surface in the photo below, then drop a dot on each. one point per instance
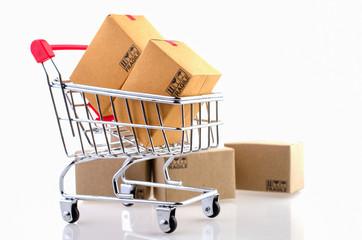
(250, 216)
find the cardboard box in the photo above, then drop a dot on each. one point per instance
(112, 54)
(167, 68)
(269, 166)
(214, 168)
(95, 177)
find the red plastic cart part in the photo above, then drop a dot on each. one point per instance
(42, 51)
(108, 118)
(69, 47)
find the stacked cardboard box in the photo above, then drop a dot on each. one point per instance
(256, 165)
(214, 168)
(112, 54)
(168, 68)
(163, 67)
(95, 177)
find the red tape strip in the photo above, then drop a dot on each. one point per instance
(131, 17)
(172, 43)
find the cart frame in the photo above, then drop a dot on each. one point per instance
(201, 134)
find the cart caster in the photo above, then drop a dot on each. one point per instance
(166, 219)
(128, 189)
(69, 209)
(211, 206)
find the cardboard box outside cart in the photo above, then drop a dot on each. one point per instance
(112, 54)
(214, 168)
(269, 166)
(167, 68)
(95, 177)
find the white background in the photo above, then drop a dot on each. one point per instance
(292, 71)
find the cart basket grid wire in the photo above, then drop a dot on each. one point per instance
(134, 117)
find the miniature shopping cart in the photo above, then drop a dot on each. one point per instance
(84, 128)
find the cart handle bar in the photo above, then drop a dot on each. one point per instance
(42, 51)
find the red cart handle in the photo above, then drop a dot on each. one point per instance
(42, 51)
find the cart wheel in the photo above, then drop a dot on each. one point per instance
(211, 206)
(166, 219)
(215, 208)
(69, 208)
(75, 213)
(172, 224)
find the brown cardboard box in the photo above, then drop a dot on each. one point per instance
(269, 166)
(112, 54)
(168, 68)
(214, 168)
(95, 177)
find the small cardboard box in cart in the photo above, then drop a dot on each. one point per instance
(214, 168)
(168, 68)
(112, 54)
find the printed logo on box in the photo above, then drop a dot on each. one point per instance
(178, 83)
(129, 59)
(276, 186)
(178, 163)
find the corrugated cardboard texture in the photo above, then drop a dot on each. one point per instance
(268, 166)
(112, 54)
(95, 177)
(169, 70)
(214, 168)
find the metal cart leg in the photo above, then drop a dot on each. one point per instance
(69, 202)
(128, 190)
(68, 206)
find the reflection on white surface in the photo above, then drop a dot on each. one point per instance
(71, 231)
(260, 216)
(211, 231)
(252, 215)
